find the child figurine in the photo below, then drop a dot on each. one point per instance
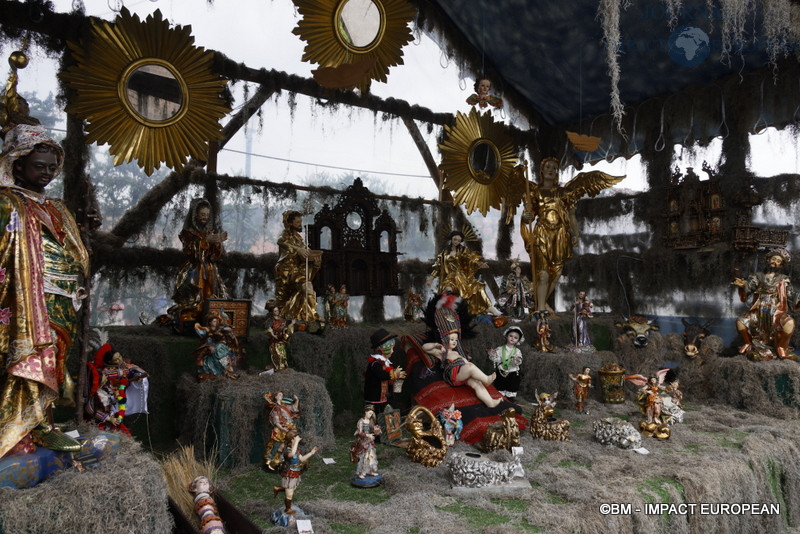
(583, 381)
(542, 331)
(507, 360)
(205, 507)
(481, 97)
(364, 453)
(293, 466)
(452, 423)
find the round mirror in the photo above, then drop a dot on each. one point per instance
(359, 23)
(353, 220)
(483, 160)
(153, 92)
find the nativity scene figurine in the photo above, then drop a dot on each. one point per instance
(456, 268)
(549, 226)
(198, 279)
(43, 266)
(295, 270)
(768, 325)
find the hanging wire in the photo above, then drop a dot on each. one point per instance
(591, 128)
(662, 141)
(795, 116)
(633, 136)
(115, 5)
(761, 119)
(565, 157)
(462, 84)
(691, 123)
(444, 61)
(621, 285)
(722, 112)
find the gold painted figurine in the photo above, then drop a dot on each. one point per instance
(456, 267)
(278, 330)
(767, 326)
(296, 267)
(427, 444)
(549, 227)
(651, 404)
(544, 425)
(502, 434)
(583, 381)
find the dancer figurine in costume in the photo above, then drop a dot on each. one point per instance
(282, 413)
(549, 227)
(481, 96)
(768, 325)
(279, 330)
(363, 451)
(380, 373)
(198, 279)
(507, 359)
(294, 464)
(583, 381)
(456, 267)
(296, 267)
(43, 264)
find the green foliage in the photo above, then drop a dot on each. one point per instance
(476, 517)
(655, 487)
(569, 464)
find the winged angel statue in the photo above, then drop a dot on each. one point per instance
(549, 227)
(478, 167)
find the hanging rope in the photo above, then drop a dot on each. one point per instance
(761, 119)
(722, 112)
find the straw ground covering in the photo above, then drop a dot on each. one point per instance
(720, 455)
(125, 494)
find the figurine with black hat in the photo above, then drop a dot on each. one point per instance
(380, 372)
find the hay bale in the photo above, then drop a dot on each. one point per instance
(124, 494)
(229, 415)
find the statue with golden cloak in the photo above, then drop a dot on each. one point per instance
(296, 267)
(549, 227)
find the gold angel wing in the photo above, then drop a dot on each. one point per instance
(517, 188)
(590, 183)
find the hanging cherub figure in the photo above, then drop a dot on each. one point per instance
(549, 227)
(481, 96)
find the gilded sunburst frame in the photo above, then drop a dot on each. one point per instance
(478, 185)
(102, 77)
(328, 46)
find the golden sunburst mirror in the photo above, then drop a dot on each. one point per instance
(349, 32)
(146, 90)
(477, 158)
